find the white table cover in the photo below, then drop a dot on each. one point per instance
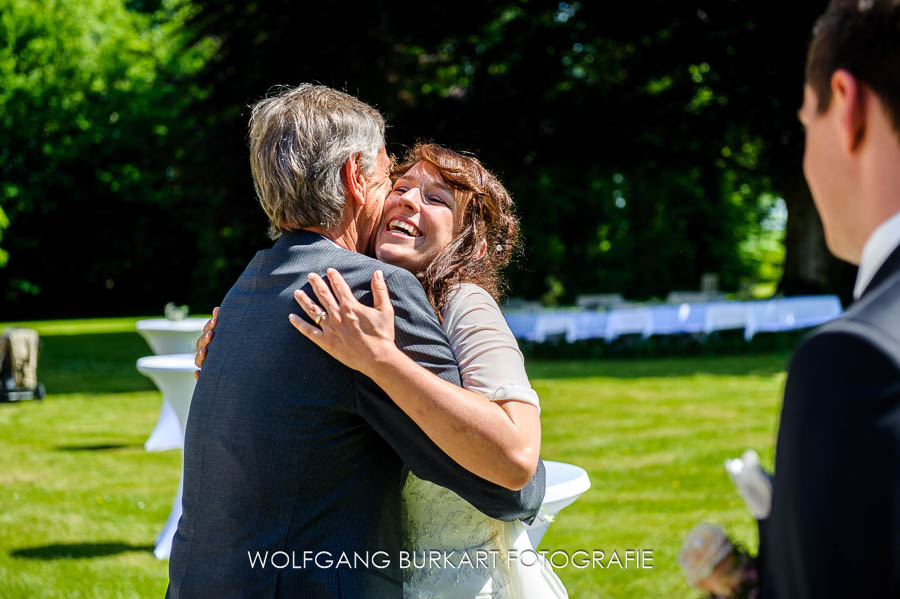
(774, 315)
(168, 337)
(174, 376)
(724, 316)
(674, 319)
(791, 313)
(565, 483)
(628, 321)
(171, 336)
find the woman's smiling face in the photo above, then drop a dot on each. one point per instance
(418, 219)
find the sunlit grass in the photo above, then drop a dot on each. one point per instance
(81, 501)
(653, 435)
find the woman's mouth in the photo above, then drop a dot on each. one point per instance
(403, 227)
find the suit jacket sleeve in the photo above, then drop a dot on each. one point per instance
(834, 530)
(420, 336)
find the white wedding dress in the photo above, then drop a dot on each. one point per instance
(436, 519)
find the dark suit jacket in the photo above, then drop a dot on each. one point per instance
(834, 529)
(288, 450)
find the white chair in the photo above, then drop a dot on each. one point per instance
(174, 376)
(599, 300)
(518, 303)
(694, 297)
(565, 484)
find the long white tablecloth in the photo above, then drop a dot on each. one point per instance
(774, 315)
(166, 337)
(174, 376)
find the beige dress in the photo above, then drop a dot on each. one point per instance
(436, 519)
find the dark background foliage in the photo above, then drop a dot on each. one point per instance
(645, 143)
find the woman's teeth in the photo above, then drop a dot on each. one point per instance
(403, 227)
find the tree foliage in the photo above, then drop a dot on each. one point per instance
(643, 147)
(93, 97)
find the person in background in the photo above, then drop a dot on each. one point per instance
(834, 528)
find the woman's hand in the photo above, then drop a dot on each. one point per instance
(499, 442)
(205, 337)
(349, 331)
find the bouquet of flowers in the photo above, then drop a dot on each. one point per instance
(711, 562)
(709, 559)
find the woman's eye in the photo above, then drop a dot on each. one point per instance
(400, 190)
(437, 200)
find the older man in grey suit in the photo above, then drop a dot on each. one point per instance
(286, 449)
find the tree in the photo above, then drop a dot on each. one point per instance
(92, 97)
(644, 147)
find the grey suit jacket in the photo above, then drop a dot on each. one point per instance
(287, 450)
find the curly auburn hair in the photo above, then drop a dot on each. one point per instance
(487, 229)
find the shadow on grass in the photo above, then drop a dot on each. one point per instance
(77, 550)
(93, 363)
(106, 362)
(100, 447)
(724, 353)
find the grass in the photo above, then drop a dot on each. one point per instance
(81, 501)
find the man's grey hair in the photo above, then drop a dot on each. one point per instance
(299, 140)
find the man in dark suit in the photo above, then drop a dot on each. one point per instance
(293, 463)
(834, 528)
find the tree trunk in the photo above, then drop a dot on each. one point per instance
(809, 268)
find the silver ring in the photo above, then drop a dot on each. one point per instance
(320, 317)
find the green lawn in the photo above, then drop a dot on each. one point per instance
(81, 501)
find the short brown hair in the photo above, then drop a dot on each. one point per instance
(862, 37)
(485, 213)
(299, 140)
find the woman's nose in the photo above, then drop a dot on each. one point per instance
(412, 199)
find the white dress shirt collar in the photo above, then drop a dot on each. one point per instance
(883, 241)
(329, 240)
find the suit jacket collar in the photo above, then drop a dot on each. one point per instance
(302, 237)
(890, 266)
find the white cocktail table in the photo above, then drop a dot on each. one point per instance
(565, 484)
(168, 337)
(174, 376)
(171, 336)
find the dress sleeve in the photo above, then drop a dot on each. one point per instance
(490, 362)
(420, 336)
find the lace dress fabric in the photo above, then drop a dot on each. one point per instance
(436, 519)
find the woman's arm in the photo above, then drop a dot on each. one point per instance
(498, 441)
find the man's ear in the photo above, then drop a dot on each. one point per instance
(849, 97)
(354, 181)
